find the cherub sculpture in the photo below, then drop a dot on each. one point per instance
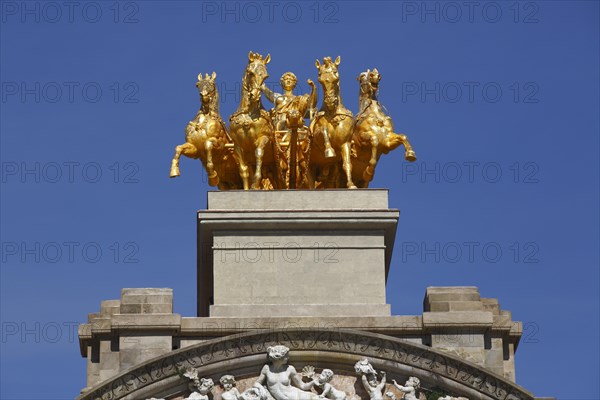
(230, 392)
(369, 379)
(200, 387)
(410, 388)
(322, 381)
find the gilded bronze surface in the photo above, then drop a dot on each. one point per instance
(278, 149)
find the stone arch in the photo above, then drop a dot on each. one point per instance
(242, 355)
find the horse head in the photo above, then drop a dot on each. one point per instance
(256, 73)
(369, 83)
(329, 78)
(208, 92)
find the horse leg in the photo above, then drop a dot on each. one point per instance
(396, 140)
(244, 170)
(261, 142)
(347, 165)
(329, 152)
(188, 150)
(213, 178)
(370, 170)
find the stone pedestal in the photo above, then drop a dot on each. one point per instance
(295, 253)
(308, 270)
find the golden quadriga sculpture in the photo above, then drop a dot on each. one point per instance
(278, 149)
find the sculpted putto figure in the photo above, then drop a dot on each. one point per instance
(410, 388)
(322, 381)
(230, 391)
(200, 387)
(281, 379)
(369, 379)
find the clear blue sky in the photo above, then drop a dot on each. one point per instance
(500, 100)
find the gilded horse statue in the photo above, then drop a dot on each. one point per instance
(252, 130)
(373, 132)
(206, 136)
(331, 133)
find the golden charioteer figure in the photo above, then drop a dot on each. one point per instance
(278, 149)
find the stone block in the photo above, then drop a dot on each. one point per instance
(133, 322)
(449, 295)
(135, 349)
(300, 310)
(146, 295)
(298, 199)
(131, 308)
(294, 248)
(109, 307)
(440, 320)
(446, 306)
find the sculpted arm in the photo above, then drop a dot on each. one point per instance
(383, 381)
(269, 94)
(262, 377)
(401, 388)
(326, 390)
(313, 95)
(365, 383)
(298, 380)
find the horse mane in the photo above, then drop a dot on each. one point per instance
(214, 106)
(245, 94)
(367, 94)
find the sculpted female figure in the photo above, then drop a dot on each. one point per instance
(288, 117)
(287, 101)
(281, 379)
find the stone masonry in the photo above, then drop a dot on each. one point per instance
(141, 325)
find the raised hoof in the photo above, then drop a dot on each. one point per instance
(329, 153)
(174, 173)
(410, 156)
(213, 181)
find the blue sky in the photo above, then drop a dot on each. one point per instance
(499, 99)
